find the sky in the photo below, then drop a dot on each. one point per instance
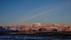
(35, 11)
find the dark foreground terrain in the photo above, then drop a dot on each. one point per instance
(38, 36)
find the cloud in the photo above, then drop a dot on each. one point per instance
(35, 15)
(27, 13)
(40, 13)
(35, 10)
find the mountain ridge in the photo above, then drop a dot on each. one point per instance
(36, 26)
(35, 23)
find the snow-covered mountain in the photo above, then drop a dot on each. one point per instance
(35, 26)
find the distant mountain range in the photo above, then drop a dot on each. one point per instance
(35, 27)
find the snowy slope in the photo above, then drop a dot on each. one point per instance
(36, 26)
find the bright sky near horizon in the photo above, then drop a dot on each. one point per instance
(35, 11)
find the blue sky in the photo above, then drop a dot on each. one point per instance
(35, 11)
